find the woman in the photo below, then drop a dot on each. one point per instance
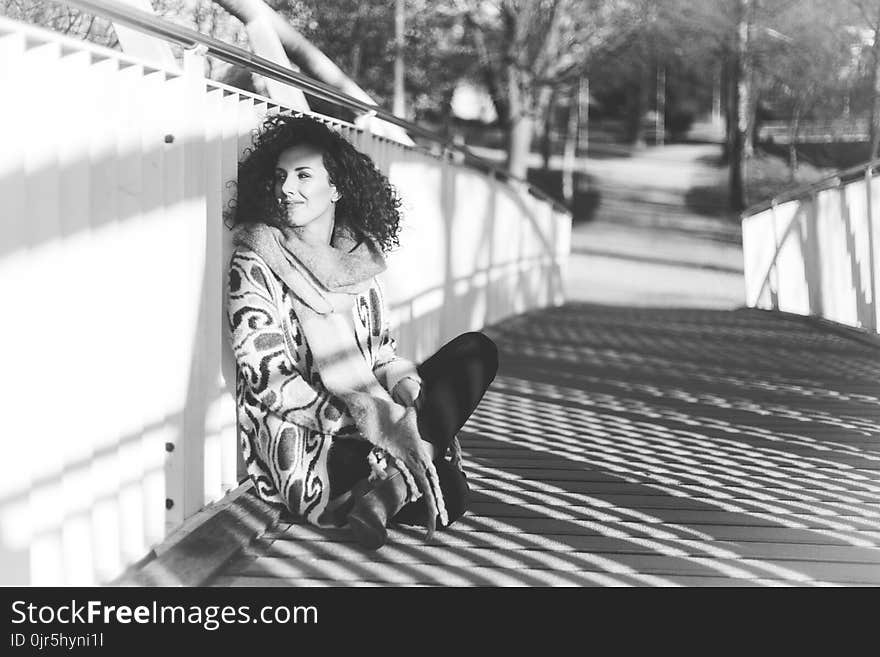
(334, 425)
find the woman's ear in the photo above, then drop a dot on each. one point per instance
(334, 194)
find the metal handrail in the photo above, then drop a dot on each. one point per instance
(188, 38)
(803, 191)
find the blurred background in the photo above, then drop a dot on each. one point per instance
(788, 89)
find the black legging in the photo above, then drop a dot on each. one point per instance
(454, 381)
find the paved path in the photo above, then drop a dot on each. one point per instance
(623, 446)
(645, 246)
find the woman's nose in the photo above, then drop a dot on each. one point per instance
(290, 187)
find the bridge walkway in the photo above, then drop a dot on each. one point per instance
(640, 446)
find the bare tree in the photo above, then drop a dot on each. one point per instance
(528, 48)
(62, 19)
(304, 54)
(740, 104)
(869, 12)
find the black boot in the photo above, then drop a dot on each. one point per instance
(456, 495)
(371, 513)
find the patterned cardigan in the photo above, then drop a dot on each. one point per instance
(287, 421)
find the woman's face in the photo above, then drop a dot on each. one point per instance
(302, 180)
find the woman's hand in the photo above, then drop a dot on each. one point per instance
(418, 461)
(407, 446)
(406, 392)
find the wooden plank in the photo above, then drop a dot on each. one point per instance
(409, 574)
(591, 474)
(643, 497)
(204, 544)
(227, 581)
(605, 545)
(498, 567)
(623, 489)
(844, 465)
(687, 580)
(690, 517)
(543, 527)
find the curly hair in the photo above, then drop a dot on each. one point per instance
(369, 206)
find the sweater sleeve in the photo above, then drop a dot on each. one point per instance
(390, 368)
(264, 351)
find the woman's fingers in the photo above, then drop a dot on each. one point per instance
(431, 501)
(421, 469)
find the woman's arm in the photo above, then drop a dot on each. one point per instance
(391, 369)
(264, 350)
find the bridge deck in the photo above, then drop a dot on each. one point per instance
(625, 446)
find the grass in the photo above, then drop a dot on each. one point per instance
(767, 175)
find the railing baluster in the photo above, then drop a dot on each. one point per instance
(157, 398)
(773, 278)
(127, 224)
(229, 170)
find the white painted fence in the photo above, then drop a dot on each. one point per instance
(817, 254)
(118, 414)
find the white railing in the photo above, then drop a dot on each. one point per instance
(119, 417)
(814, 251)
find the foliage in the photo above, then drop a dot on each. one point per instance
(358, 37)
(60, 18)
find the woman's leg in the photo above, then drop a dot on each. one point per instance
(453, 382)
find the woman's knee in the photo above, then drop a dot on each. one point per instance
(482, 344)
(467, 351)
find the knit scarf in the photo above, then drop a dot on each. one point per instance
(325, 281)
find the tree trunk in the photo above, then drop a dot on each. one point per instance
(546, 146)
(356, 59)
(730, 103)
(490, 74)
(716, 96)
(137, 43)
(521, 127)
(547, 133)
(735, 151)
(303, 53)
(752, 109)
(519, 144)
(299, 49)
(399, 100)
(740, 106)
(643, 100)
(265, 43)
(569, 151)
(583, 136)
(792, 143)
(661, 105)
(875, 100)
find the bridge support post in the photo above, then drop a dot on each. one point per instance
(813, 258)
(870, 322)
(773, 275)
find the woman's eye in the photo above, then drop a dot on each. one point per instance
(303, 175)
(280, 176)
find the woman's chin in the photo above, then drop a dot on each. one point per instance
(293, 221)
